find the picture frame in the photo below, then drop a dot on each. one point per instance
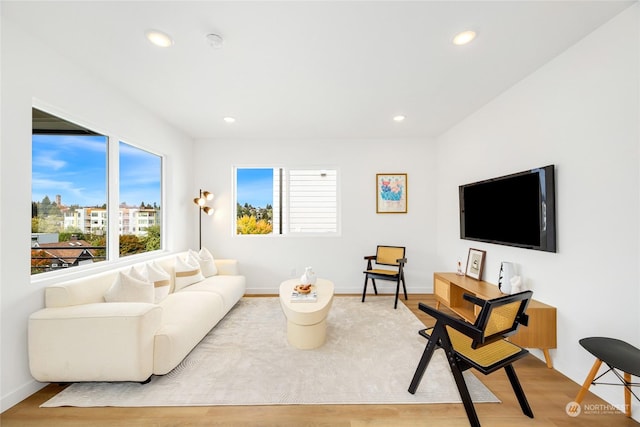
(475, 263)
(391, 193)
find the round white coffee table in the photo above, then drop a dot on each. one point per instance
(306, 321)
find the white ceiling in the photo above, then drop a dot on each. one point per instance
(312, 69)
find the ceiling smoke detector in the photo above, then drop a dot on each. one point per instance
(215, 40)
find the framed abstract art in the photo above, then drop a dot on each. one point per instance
(391, 193)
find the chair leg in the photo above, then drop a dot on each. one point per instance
(464, 391)
(404, 288)
(364, 292)
(375, 288)
(422, 365)
(627, 394)
(587, 382)
(395, 304)
(517, 388)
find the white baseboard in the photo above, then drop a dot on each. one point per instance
(18, 395)
(382, 290)
(275, 291)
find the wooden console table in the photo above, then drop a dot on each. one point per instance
(448, 289)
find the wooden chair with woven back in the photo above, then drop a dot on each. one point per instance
(481, 345)
(378, 268)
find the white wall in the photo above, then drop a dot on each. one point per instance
(268, 260)
(579, 112)
(31, 71)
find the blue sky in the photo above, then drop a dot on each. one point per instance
(75, 167)
(254, 186)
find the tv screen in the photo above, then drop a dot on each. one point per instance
(514, 210)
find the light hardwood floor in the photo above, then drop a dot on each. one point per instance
(548, 392)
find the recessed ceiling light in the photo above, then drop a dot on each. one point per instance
(229, 120)
(399, 118)
(464, 37)
(159, 38)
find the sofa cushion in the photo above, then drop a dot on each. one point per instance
(187, 272)
(230, 288)
(160, 279)
(186, 318)
(206, 262)
(127, 288)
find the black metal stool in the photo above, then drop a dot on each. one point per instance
(616, 354)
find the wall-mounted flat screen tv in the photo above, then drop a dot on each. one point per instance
(514, 210)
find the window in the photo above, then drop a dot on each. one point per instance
(286, 201)
(68, 194)
(70, 213)
(140, 180)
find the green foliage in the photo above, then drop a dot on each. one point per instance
(152, 239)
(35, 223)
(39, 261)
(265, 213)
(67, 234)
(48, 215)
(130, 244)
(99, 241)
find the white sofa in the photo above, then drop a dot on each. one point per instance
(79, 336)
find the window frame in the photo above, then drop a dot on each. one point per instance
(112, 199)
(161, 201)
(286, 180)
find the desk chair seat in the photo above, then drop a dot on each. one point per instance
(618, 356)
(481, 345)
(391, 256)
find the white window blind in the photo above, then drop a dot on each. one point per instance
(313, 201)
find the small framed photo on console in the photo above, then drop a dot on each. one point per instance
(475, 263)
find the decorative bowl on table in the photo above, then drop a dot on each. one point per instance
(303, 289)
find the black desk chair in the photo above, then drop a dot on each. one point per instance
(617, 355)
(388, 256)
(481, 345)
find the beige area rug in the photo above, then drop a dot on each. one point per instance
(370, 356)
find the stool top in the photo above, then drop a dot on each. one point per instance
(615, 353)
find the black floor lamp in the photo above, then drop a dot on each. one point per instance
(201, 200)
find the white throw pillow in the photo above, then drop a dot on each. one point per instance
(139, 275)
(159, 277)
(187, 272)
(126, 288)
(206, 262)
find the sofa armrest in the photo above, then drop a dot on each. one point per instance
(228, 267)
(93, 342)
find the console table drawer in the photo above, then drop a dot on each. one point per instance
(441, 289)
